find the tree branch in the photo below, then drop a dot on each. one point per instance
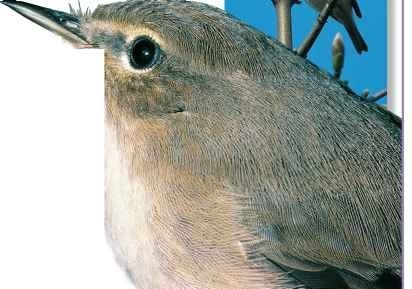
(378, 96)
(284, 21)
(322, 18)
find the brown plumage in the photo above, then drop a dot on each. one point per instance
(232, 163)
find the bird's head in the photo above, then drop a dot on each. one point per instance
(167, 56)
(183, 80)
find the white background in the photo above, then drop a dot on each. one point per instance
(51, 160)
(408, 146)
(395, 56)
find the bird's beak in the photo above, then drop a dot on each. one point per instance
(66, 25)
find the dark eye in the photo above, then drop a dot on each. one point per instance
(144, 53)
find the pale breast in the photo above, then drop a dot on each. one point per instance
(126, 210)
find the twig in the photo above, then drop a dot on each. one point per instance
(378, 96)
(317, 28)
(284, 21)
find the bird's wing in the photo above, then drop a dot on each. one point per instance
(323, 231)
(332, 198)
(356, 8)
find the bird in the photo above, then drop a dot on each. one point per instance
(342, 12)
(231, 162)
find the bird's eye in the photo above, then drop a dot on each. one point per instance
(144, 53)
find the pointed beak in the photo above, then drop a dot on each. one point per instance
(66, 25)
